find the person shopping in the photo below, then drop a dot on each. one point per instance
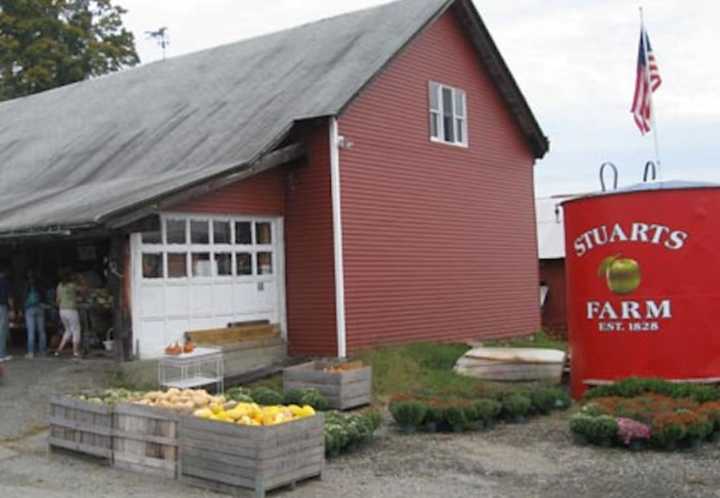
(34, 317)
(6, 304)
(66, 300)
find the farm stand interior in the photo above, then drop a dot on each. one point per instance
(88, 258)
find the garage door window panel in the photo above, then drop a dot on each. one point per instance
(243, 233)
(264, 263)
(244, 264)
(176, 232)
(223, 264)
(152, 265)
(201, 266)
(205, 248)
(177, 265)
(263, 233)
(199, 232)
(221, 232)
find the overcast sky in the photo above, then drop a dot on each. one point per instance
(574, 60)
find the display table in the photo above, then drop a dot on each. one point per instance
(202, 367)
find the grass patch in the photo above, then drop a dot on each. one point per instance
(538, 340)
(421, 369)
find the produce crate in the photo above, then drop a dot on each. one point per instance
(229, 457)
(145, 440)
(81, 426)
(343, 390)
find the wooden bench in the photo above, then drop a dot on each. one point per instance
(236, 335)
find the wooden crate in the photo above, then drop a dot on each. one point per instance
(145, 440)
(343, 390)
(81, 426)
(229, 457)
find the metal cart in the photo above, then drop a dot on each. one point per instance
(202, 367)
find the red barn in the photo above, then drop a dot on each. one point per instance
(362, 180)
(551, 253)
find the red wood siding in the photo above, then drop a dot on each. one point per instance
(300, 193)
(439, 240)
(310, 274)
(263, 194)
(554, 312)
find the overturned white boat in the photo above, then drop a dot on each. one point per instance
(512, 364)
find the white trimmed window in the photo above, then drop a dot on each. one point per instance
(448, 115)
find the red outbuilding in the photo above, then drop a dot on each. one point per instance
(359, 181)
(551, 254)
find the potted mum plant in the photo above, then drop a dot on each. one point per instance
(635, 435)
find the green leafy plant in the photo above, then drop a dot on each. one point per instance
(562, 398)
(487, 410)
(434, 415)
(293, 396)
(580, 425)
(597, 430)
(48, 44)
(408, 414)
(266, 396)
(667, 421)
(516, 406)
(635, 386)
(699, 430)
(667, 431)
(711, 410)
(346, 431)
(375, 418)
(456, 418)
(239, 394)
(543, 400)
(314, 398)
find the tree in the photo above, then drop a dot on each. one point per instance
(49, 43)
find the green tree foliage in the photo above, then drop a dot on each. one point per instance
(49, 43)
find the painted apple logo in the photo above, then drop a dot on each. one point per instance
(621, 274)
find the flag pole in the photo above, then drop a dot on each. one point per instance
(652, 105)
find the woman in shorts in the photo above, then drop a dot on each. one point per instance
(66, 299)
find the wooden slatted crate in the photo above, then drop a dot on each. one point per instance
(81, 426)
(145, 440)
(228, 457)
(343, 390)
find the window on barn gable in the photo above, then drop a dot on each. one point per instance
(448, 115)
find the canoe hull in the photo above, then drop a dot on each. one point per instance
(527, 365)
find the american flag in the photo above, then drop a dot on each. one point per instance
(648, 80)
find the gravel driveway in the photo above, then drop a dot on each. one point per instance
(537, 459)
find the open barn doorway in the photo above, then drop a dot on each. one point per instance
(86, 260)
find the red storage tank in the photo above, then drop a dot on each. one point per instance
(643, 283)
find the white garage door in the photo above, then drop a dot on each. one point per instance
(200, 272)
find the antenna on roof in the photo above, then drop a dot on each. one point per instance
(161, 36)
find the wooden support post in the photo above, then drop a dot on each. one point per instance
(116, 283)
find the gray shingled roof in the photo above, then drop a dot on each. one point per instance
(73, 156)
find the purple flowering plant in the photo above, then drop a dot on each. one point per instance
(629, 429)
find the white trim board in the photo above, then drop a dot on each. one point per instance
(337, 238)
